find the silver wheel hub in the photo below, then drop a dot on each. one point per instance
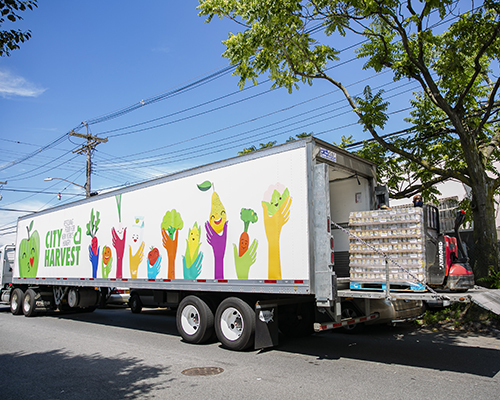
(231, 323)
(190, 319)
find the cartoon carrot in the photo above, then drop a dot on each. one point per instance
(247, 215)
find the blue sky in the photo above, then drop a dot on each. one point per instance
(91, 59)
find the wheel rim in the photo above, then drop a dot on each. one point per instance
(15, 301)
(26, 304)
(72, 298)
(231, 323)
(190, 319)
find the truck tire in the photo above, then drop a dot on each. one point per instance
(235, 324)
(195, 320)
(349, 310)
(73, 298)
(16, 302)
(135, 303)
(29, 303)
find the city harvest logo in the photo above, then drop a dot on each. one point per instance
(63, 246)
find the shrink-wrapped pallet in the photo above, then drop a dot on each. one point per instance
(396, 234)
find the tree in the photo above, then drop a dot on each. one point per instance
(253, 148)
(272, 143)
(452, 54)
(10, 39)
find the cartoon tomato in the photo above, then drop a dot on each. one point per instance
(153, 255)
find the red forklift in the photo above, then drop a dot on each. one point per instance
(448, 265)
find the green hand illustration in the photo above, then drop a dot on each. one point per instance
(106, 267)
(244, 262)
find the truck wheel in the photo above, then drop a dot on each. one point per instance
(16, 302)
(349, 310)
(235, 324)
(195, 320)
(29, 303)
(135, 303)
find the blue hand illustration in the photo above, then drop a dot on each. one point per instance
(194, 270)
(154, 269)
(94, 259)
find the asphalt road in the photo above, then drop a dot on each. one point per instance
(114, 354)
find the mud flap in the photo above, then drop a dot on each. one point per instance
(266, 326)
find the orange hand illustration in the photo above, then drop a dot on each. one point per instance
(273, 225)
(135, 260)
(171, 247)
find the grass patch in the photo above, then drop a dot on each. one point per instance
(460, 316)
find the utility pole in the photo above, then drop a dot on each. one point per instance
(92, 142)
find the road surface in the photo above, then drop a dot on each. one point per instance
(114, 354)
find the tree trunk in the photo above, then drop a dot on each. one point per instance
(485, 253)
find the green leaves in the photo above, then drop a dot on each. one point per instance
(10, 39)
(451, 53)
(172, 221)
(372, 109)
(205, 186)
(93, 224)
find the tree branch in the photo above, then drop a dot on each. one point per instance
(414, 189)
(477, 66)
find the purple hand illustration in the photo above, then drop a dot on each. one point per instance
(218, 243)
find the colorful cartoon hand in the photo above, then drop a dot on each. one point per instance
(119, 245)
(194, 270)
(106, 268)
(244, 262)
(171, 247)
(218, 243)
(273, 225)
(154, 269)
(135, 260)
(94, 259)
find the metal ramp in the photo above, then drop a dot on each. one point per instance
(488, 299)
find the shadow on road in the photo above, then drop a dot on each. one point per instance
(59, 374)
(404, 345)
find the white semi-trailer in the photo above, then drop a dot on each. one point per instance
(241, 248)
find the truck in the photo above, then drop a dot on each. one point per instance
(242, 249)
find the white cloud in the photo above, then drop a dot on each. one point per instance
(13, 85)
